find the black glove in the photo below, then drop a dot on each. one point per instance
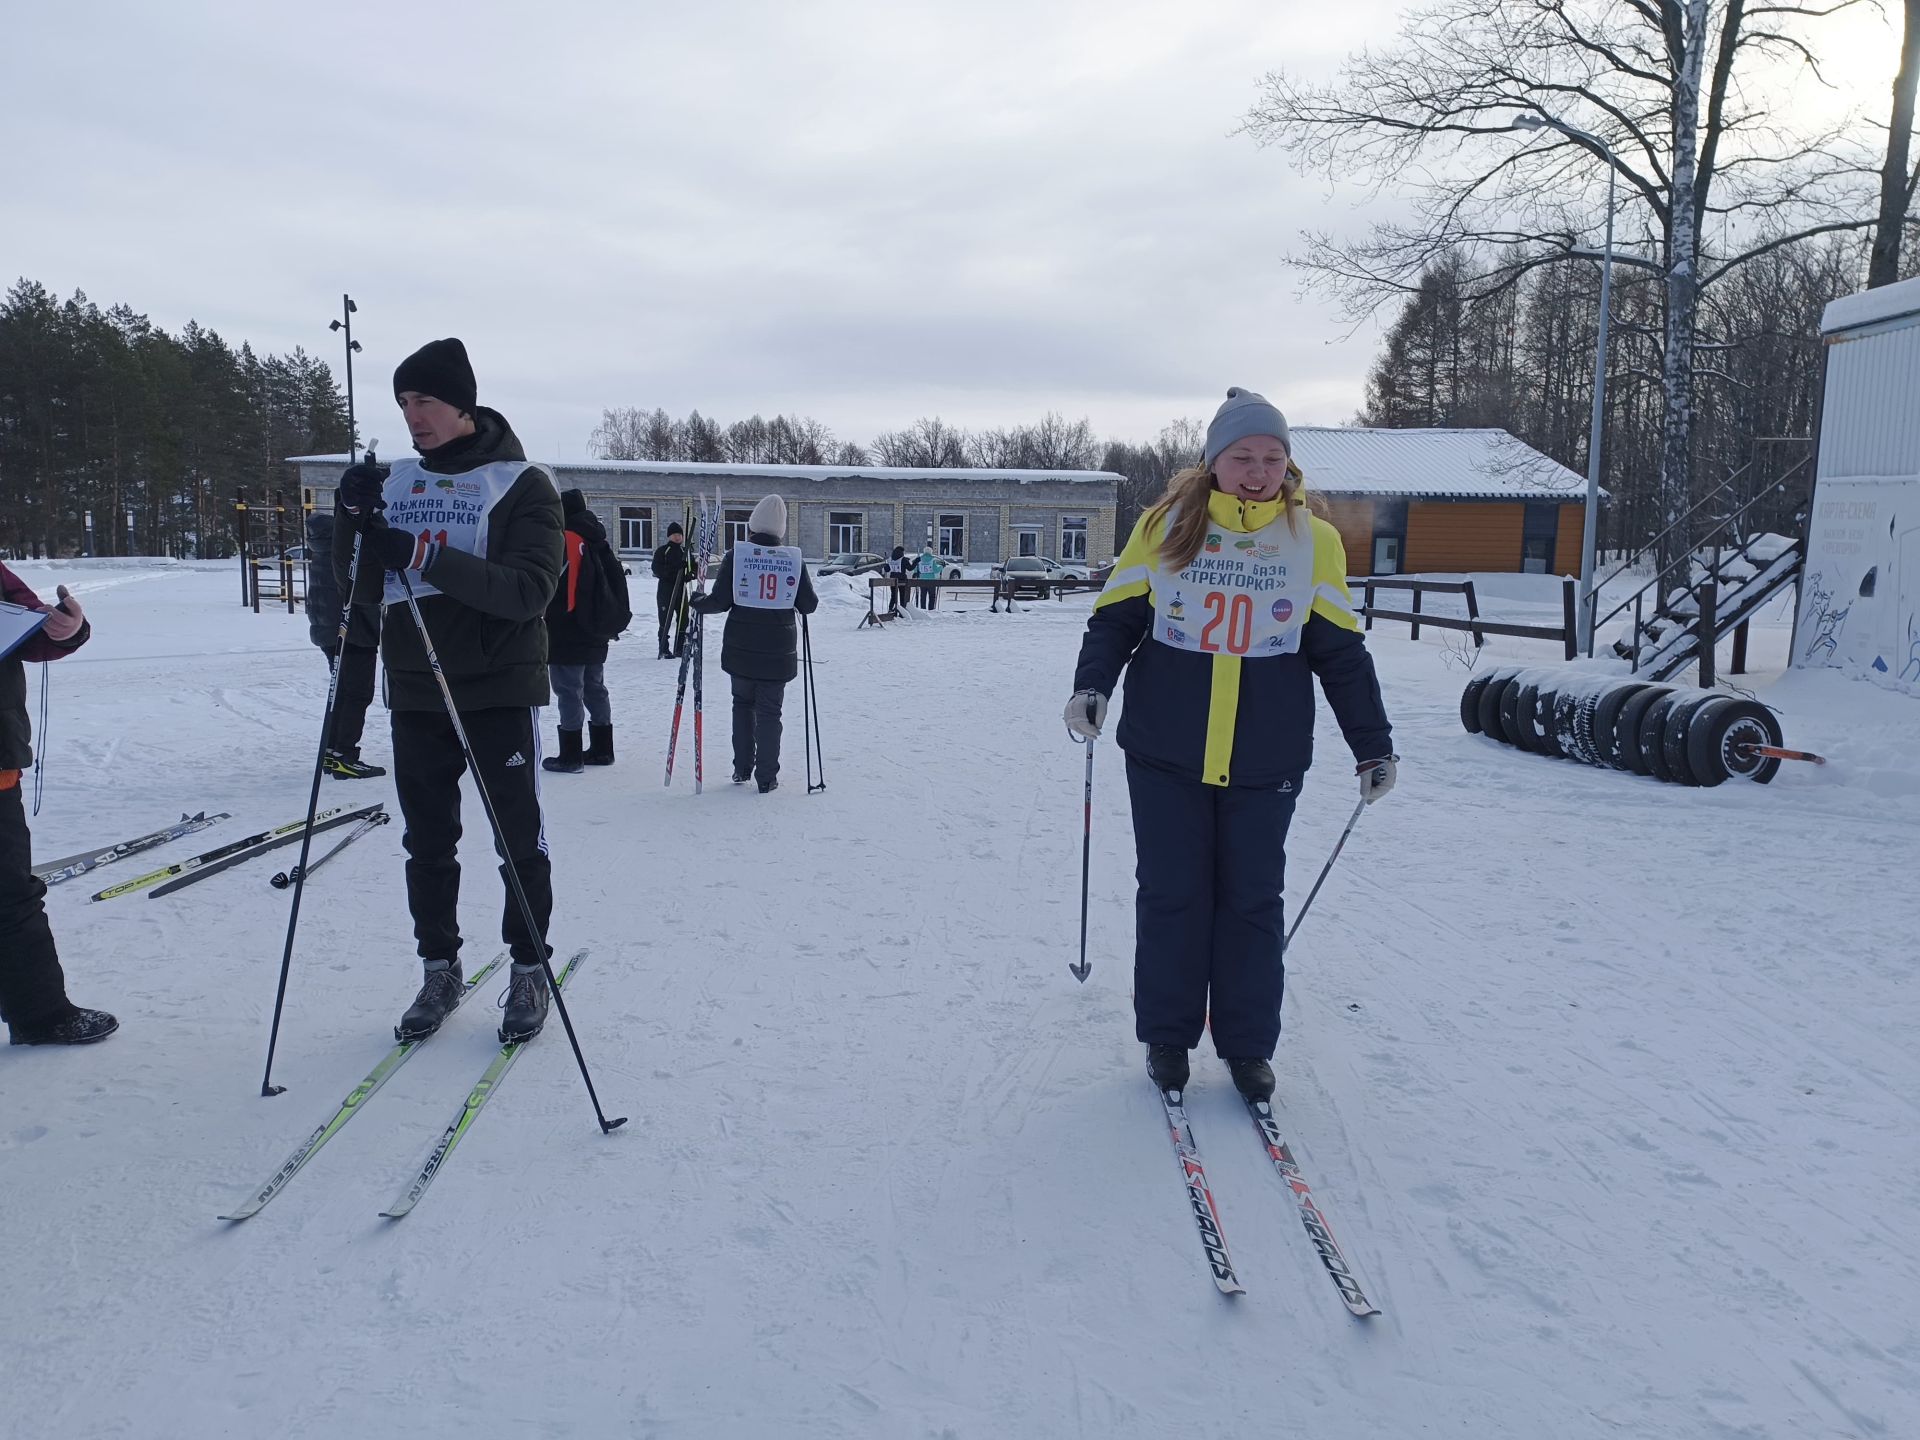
(363, 488)
(380, 541)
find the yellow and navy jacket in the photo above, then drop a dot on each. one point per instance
(1224, 719)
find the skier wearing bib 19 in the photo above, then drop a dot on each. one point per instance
(1228, 598)
(763, 583)
(478, 532)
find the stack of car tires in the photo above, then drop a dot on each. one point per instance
(1671, 732)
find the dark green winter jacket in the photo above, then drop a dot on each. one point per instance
(488, 623)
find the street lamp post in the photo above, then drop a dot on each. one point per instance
(1589, 538)
(347, 311)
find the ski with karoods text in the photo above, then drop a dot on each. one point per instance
(1206, 1214)
(477, 1097)
(351, 1106)
(1331, 1256)
(69, 866)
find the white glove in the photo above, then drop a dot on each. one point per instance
(1086, 713)
(1377, 777)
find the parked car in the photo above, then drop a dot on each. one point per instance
(853, 564)
(1028, 576)
(1065, 570)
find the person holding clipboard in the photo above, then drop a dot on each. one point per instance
(33, 988)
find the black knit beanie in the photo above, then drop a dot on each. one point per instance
(438, 368)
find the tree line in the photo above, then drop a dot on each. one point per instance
(155, 434)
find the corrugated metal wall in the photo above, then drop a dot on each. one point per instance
(1870, 424)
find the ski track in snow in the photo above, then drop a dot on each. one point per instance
(1606, 1087)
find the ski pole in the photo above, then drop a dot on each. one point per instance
(511, 871)
(300, 872)
(810, 713)
(1339, 845)
(1084, 968)
(267, 1087)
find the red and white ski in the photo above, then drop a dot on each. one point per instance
(1331, 1256)
(1206, 1215)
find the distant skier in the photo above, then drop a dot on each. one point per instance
(899, 566)
(763, 583)
(357, 661)
(672, 573)
(33, 988)
(1229, 597)
(929, 569)
(589, 609)
(478, 531)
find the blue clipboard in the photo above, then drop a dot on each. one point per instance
(17, 626)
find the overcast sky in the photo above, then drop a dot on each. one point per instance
(857, 210)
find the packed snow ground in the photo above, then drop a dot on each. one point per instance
(1608, 1087)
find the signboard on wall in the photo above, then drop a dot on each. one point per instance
(1860, 605)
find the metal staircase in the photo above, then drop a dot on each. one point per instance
(1710, 592)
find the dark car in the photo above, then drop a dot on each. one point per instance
(1027, 576)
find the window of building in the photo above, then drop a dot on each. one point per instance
(1536, 554)
(636, 527)
(1389, 536)
(736, 526)
(1073, 537)
(1386, 555)
(953, 536)
(1026, 541)
(846, 532)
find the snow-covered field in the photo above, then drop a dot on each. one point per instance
(1608, 1087)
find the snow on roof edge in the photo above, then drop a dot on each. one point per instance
(1898, 301)
(793, 472)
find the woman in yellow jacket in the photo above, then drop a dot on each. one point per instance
(1228, 599)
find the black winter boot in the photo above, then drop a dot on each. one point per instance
(600, 751)
(342, 765)
(526, 1004)
(72, 1026)
(439, 993)
(1252, 1077)
(571, 760)
(1167, 1066)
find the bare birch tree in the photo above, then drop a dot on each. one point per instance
(1686, 101)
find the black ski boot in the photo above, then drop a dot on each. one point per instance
(73, 1026)
(526, 1004)
(571, 760)
(347, 765)
(1167, 1066)
(600, 745)
(741, 777)
(439, 993)
(1252, 1077)
(767, 787)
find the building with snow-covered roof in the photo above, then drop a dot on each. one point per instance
(971, 516)
(1443, 501)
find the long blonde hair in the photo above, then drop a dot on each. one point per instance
(1183, 510)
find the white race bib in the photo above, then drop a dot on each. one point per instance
(1243, 595)
(448, 511)
(765, 577)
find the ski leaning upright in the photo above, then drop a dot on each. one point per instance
(1331, 1256)
(1206, 1215)
(481, 1093)
(350, 1106)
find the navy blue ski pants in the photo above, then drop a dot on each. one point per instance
(1208, 919)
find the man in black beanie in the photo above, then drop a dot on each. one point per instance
(477, 531)
(671, 573)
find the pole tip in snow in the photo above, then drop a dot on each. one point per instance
(267, 1092)
(607, 1127)
(1081, 971)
